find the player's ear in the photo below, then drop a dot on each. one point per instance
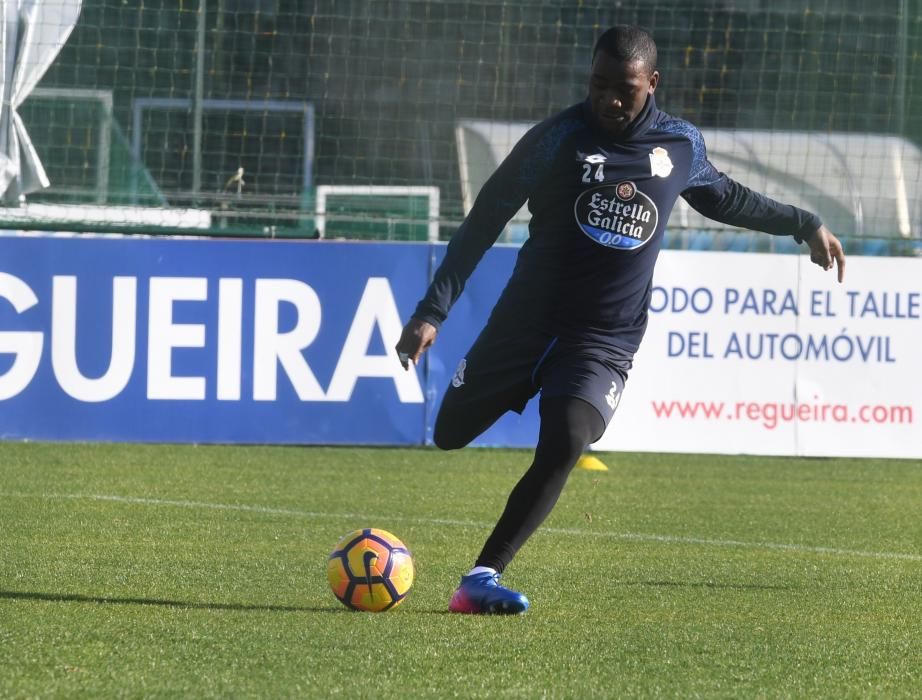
(654, 81)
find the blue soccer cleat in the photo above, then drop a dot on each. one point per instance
(481, 594)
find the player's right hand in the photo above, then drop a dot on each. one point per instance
(417, 337)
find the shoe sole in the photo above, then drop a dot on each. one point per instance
(503, 607)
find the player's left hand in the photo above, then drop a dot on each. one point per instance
(826, 251)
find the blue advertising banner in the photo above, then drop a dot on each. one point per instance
(179, 340)
(129, 339)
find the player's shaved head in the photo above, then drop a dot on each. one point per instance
(629, 44)
(622, 78)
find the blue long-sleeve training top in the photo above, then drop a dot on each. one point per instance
(599, 205)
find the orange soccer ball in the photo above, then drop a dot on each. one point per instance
(370, 570)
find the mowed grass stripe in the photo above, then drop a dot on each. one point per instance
(574, 532)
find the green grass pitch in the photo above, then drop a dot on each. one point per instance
(182, 571)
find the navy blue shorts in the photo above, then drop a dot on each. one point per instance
(503, 370)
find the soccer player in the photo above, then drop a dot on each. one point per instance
(600, 178)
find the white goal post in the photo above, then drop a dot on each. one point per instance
(324, 191)
(103, 127)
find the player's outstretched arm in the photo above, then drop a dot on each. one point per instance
(417, 337)
(826, 250)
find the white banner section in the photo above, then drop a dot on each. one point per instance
(768, 354)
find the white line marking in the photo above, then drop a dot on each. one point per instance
(626, 536)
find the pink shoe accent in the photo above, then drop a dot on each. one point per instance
(460, 603)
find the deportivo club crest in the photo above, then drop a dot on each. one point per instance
(617, 216)
(458, 379)
(660, 163)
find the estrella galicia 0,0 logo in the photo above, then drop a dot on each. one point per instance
(617, 216)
